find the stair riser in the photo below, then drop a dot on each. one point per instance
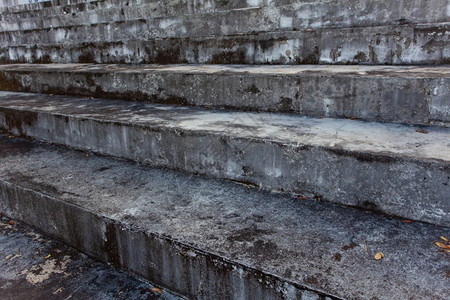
(56, 8)
(371, 45)
(402, 187)
(397, 99)
(197, 20)
(159, 259)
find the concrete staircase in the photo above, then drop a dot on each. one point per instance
(277, 178)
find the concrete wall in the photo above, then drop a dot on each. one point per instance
(260, 32)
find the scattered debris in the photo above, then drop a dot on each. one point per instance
(302, 198)
(364, 244)
(407, 221)
(379, 255)
(421, 131)
(48, 256)
(11, 223)
(156, 290)
(352, 118)
(445, 245)
(58, 291)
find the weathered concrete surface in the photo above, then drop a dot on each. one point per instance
(7, 3)
(388, 168)
(411, 95)
(180, 18)
(36, 267)
(216, 239)
(406, 44)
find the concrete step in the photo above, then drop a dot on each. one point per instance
(181, 18)
(410, 95)
(23, 4)
(211, 239)
(392, 169)
(376, 12)
(57, 7)
(406, 44)
(35, 8)
(37, 267)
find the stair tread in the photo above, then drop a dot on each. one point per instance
(400, 94)
(316, 245)
(276, 15)
(341, 134)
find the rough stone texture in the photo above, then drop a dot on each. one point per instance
(387, 168)
(411, 95)
(217, 239)
(406, 44)
(194, 18)
(36, 267)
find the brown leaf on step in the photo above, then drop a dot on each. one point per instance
(421, 131)
(11, 222)
(301, 197)
(444, 238)
(379, 255)
(407, 221)
(352, 118)
(443, 245)
(156, 290)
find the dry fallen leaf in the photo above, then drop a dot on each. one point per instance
(379, 255)
(48, 256)
(352, 118)
(155, 289)
(407, 221)
(11, 223)
(445, 245)
(87, 155)
(442, 245)
(301, 197)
